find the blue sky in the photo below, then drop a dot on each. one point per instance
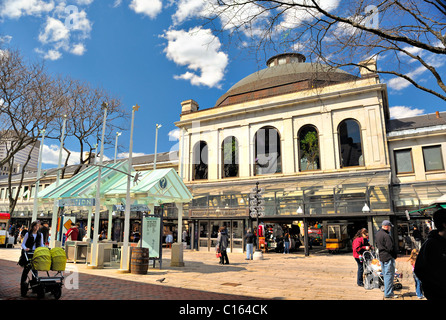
(148, 52)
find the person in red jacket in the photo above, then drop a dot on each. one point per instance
(360, 244)
(72, 233)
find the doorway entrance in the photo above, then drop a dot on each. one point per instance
(208, 234)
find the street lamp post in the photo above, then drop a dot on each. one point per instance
(94, 248)
(39, 166)
(257, 211)
(55, 207)
(156, 144)
(116, 145)
(124, 251)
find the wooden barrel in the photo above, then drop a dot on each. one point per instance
(139, 260)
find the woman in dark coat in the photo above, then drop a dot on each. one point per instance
(32, 240)
(222, 245)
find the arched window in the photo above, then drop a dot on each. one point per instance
(350, 144)
(309, 151)
(229, 154)
(200, 161)
(267, 151)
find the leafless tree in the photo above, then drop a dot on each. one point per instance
(407, 36)
(84, 111)
(29, 102)
(32, 100)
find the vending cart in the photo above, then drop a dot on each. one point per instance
(4, 219)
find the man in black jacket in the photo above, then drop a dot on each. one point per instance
(249, 238)
(387, 256)
(430, 266)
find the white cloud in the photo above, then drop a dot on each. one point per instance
(174, 135)
(5, 39)
(54, 31)
(294, 16)
(434, 60)
(124, 155)
(84, 2)
(16, 8)
(399, 112)
(52, 55)
(78, 49)
(398, 83)
(50, 155)
(150, 8)
(230, 17)
(189, 8)
(68, 25)
(63, 24)
(199, 50)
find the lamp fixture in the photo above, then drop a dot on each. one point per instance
(299, 210)
(365, 208)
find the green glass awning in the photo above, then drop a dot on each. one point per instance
(152, 186)
(84, 183)
(147, 187)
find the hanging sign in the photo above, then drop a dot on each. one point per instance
(87, 202)
(133, 207)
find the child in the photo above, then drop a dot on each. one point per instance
(412, 259)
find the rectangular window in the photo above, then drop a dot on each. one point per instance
(433, 159)
(403, 161)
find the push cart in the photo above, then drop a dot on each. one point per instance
(41, 285)
(373, 277)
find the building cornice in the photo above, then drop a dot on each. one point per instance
(215, 113)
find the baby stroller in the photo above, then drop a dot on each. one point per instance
(41, 285)
(373, 277)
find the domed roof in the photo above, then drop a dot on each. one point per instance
(285, 73)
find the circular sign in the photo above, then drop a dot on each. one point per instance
(163, 183)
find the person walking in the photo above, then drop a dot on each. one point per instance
(359, 245)
(417, 237)
(249, 239)
(72, 233)
(222, 245)
(169, 240)
(32, 240)
(45, 232)
(430, 266)
(286, 243)
(412, 259)
(387, 255)
(81, 232)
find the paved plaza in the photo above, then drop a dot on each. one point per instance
(320, 276)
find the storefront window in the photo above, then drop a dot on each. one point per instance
(268, 158)
(403, 161)
(379, 198)
(230, 164)
(350, 199)
(200, 161)
(308, 148)
(350, 144)
(433, 159)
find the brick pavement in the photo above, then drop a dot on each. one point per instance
(277, 276)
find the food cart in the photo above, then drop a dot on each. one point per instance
(337, 238)
(4, 218)
(315, 236)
